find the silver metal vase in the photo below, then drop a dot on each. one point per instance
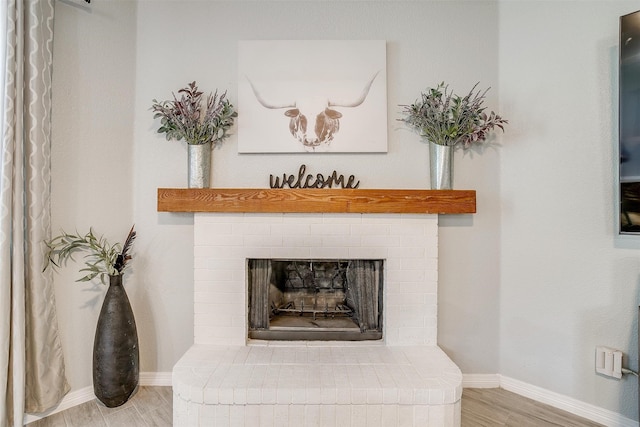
(199, 165)
(441, 166)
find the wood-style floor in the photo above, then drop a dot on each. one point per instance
(151, 406)
(498, 407)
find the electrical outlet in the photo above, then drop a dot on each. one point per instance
(609, 362)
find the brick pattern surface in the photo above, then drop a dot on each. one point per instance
(402, 380)
(323, 384)
(407, 243)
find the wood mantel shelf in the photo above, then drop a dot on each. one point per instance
(314, 200)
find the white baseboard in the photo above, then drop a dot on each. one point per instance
(560, 401)
(78, 397)
(155, 379)
(481, 381)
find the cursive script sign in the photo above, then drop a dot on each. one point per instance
(303, 180)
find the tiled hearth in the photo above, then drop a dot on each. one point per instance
(402, 380)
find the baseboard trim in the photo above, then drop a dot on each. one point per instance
(480, 381)
(557, 400)
(155, 379)
(80, 396)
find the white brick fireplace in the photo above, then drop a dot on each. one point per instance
(402, 380)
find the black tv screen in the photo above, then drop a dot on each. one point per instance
(629, 126)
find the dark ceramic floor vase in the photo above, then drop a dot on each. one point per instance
(115, 350)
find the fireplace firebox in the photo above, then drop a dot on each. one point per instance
(315, 299)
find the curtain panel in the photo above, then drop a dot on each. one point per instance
(32, 375)
(260, 271)
(363, 285)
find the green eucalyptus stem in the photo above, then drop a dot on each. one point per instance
(102, 259)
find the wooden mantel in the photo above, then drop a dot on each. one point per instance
(315, 200)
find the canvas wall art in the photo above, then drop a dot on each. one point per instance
(312, 96)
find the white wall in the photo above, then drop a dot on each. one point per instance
(92, 153)
(528, 285)
(568, 281)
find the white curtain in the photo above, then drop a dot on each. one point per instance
(32, 376)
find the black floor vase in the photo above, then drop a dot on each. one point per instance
(115, 349)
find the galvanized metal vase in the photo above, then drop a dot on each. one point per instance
(116, 369)
(199, 165)
(441, 166)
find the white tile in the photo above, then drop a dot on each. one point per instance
(374, 415)
(281, 416)
(390, 416)
(421, 415)
(436, 397)
(343, 415)
(331, 229)
(207, 414)
(312, 416)
(261, 218)
(405, 416)
(342, 218)
(269, 396)
(358, 396)
(222, 415)
(314, 394)
(240, 396)
(225, 396)
(296, 415)
(358, 416)
(258, 252)
(300, 251)
(405, 396)
(299, 396)
(254, 396)
(328, 396)
(236, 416)
(367, 252)
(343, 395)
(329, 252)
(328, 415)
(374, 396)
(340, 241)
(252, 415)
(284, 396)
(390, 396)
(267, 414)
(261, 241)
(212, 275)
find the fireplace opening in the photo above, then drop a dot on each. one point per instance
(315, 299)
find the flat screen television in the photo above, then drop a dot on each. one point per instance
(629, 124)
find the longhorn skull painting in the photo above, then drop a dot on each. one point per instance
(312, 96)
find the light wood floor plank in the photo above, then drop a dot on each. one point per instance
(85, 415)
(152, 407)
(498, 407)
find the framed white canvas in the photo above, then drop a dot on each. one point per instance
(312, 96)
